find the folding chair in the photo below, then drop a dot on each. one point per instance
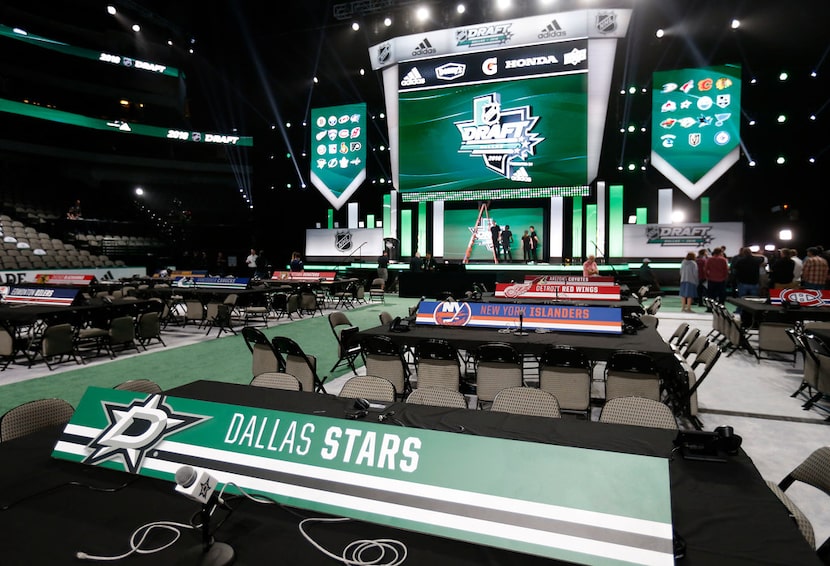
(344, 331)
(297, 363)
(265, 358)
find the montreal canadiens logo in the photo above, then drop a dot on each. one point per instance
(803, 297)
(451, 313)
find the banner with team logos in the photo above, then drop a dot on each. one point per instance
(221, 282)
(392, 475)
(606, 320)
(696, 119)
(547, 288)
(338, 159)
(800, 297)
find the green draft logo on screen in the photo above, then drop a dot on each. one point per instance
(501, 137)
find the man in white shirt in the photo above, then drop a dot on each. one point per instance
(250, 261)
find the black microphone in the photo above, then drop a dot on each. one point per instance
(520, 331)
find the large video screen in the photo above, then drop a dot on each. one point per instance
(463, 228)
(516, 133)
(505, 109)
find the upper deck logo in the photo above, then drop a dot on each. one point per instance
(502, 137)
(450, 71)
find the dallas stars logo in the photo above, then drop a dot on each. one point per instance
(136, 428)
(502, 137)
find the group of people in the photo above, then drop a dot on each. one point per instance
(503, 241)
(749, 273)
(426, 263)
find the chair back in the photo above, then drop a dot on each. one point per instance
(678, 333)
(277, 380)
(33, 416)
(566, 374)
(58, 339)
(638, 411)
(385, 318)
(498, 366)
(437, 365)
(384, 359)
(631, 374)
(298, 363)
(526, 401)
(140, 386)
(688, 338)
(264, 357)
(437, 397)
(368, 387)
(654, 306)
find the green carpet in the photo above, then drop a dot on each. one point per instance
(220, 359)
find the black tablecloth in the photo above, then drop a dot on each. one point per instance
(723, 511)
(765, 312)
(597, 347)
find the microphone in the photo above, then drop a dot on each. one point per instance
(520, 331)
(198, 485)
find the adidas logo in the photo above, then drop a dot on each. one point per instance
(413, 78)
(553, 29)
(424, 48)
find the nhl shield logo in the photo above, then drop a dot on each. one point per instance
(343, 241)
(490, 113)
(606, 22)
(384, 53)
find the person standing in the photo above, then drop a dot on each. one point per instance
(688, 282)
(526, 247)
(494, 233)
(590, 268)
(717, 273)
(250, 261)
(506, 242)
(429, 262)
(261, 271)
(296, 263)
(702, 256)
(747, 270)
(383, 267)
(781, 272)
(534, 244)
(416, 264)
(814, 272)
(799, 266)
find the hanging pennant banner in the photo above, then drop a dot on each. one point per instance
(696, 117)
(338, 142)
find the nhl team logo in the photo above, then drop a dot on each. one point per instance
(384, 53)
(606, 22)
(803, 297)
(343, 241)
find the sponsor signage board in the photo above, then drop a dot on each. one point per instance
(392, 475)
(542, 288)
(501, 34)
(606, 320)
(675, 240)
(344, 242)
